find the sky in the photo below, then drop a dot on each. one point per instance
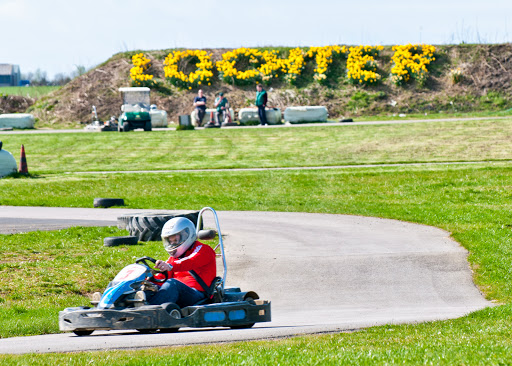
(56, 36)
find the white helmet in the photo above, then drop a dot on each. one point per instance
(178, 234)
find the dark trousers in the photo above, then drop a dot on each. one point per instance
(177, 292)
(200, 114)
(222, 114)
(262, 115)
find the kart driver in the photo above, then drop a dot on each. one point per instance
(191, 266)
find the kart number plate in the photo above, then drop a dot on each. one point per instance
(93, 315)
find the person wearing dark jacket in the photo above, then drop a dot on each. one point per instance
(200, 106)
(261, 103)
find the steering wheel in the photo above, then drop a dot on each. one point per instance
(152, 270)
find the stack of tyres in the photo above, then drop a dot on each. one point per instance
(149, 227)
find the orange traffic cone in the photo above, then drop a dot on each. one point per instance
(23, 161)
(211, 118)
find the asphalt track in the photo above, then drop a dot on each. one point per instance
(323, 273)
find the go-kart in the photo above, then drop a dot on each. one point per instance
(123, 304)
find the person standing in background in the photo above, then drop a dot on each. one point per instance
(261, 103)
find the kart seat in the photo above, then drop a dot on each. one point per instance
(212, 293)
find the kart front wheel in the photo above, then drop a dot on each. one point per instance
(81, 333)
(146, 331)
(174, 312)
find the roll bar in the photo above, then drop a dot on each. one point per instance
(221, 244)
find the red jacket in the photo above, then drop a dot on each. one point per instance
(199, 257)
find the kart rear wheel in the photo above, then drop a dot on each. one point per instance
(175, 312)
(245, 326)
(81, 333)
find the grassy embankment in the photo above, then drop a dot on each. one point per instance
(462, 79)
(471, 201)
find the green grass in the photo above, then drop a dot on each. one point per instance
(272, 147)
(471, 201)
(28, 91)
(482, 338)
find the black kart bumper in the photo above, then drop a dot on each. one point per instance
(229, 314)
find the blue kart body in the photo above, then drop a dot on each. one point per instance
(123, 284)
(120, 308)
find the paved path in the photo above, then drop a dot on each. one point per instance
(284, 125)
(323, 273)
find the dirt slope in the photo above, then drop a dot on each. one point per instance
(486, 85)
(14, 103)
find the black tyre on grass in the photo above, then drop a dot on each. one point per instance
(113, 241)
(108, 202)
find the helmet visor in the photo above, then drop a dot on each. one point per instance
(174, 241)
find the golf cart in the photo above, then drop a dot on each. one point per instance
(121, 306)
(135, 109)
